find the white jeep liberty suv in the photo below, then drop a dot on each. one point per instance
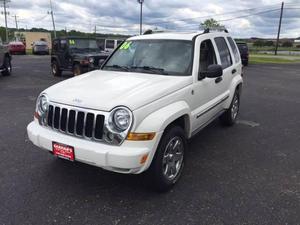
(136, 113)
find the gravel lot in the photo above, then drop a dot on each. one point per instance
(247, 174)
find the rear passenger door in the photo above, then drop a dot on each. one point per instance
(207, 91)
(229, 70)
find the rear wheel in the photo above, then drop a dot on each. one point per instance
(55, 69)
(168, 162)
(230, 116)
(7, 67)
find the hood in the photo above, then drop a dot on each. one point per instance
(104, 90)
(90, 54)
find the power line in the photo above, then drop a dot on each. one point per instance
(238, 17)
(212, 15)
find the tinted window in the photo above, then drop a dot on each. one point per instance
(165, 57)
(83, 44)
(119, 42)
(207, 55)
(110, 44)
(56, 45)
(225, 56)
(234, 49)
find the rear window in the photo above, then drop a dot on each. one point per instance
(110, 44)
(234, 49)
(225, 56)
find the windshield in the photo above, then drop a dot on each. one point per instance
(83, 44)
(167, 57)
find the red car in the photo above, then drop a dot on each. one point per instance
(17, 47)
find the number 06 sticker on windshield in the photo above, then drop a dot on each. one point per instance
(125, 45)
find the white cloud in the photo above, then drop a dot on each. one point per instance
(122, 16)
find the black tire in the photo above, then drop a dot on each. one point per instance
(77, 70)
(157, 172)
(229, 117)
(7, 66)
(56, 71)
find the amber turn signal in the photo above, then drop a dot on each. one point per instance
(140, 136)
(144, 159)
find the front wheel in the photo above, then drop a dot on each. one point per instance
(77, 70)
(55, 69)
(168, 162)
(230, 115)
(6, 67)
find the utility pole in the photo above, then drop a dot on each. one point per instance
(51, 13)
(279, 28)
(16, 21)
(141, 15)
(5, 15)
(95, 30)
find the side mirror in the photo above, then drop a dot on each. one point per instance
(213, 71)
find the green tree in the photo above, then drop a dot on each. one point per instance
(210, 23)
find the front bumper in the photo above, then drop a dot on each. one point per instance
(123, 159)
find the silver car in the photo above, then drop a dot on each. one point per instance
(40, 47)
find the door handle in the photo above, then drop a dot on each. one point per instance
(218, 80)
(233, 71)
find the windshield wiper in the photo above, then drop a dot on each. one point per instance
(125, 68)
(150, 68)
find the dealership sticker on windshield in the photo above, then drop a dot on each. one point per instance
(71, 42)
(125, 45)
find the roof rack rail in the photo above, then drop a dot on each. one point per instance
(216, 29)
(155, 31)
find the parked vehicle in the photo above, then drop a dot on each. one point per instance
(5, 60)
(244, 51)
(40, 47)
(110, 45)
(17, 47)
(136, 114)
(75, 54)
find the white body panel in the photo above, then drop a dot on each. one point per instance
(155, 101)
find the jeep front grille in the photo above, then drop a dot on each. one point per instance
(76, 121)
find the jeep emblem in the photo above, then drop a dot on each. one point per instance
(77, 100)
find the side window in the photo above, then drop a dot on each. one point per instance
(225, 56)
(55, 45)
(234, 49)
(110, 44)
(63, 44)
(207, 55)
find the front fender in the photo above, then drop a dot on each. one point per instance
(160, 119)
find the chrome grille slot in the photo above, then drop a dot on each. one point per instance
(74, 121)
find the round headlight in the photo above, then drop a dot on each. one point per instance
(121, 119)
(91, 60)
(43, 103)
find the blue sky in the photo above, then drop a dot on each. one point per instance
(122, 16)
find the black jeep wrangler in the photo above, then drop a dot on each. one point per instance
(76, 54)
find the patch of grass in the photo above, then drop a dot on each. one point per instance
(28, 51)
(262, 59)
